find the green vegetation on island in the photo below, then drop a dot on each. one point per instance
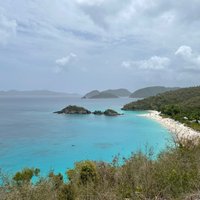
(73, 110)
(98, 112)
(91, 94)
(119, 92)
(115, 93)
(151, 91)
(174, 175)
(104, 95)
(108, 112)
(83, 111)
(182, 105)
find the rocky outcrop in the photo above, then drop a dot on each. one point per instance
(110, 112)
(98, 112)
(73, 110)
(82, 111)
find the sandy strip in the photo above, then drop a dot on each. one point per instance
(180, 130)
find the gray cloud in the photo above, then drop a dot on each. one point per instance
(7, 27)
(90, 3)
(103, 33)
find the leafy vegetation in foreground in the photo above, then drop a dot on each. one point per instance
(174, 175)
(182, 105)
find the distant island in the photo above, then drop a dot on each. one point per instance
(151, 91)
(95, 94)
(115, 93)
(36, 93)
(83, 111)
(104, 95)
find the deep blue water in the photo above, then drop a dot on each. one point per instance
(32, 136)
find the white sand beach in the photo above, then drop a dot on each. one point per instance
(178, 129)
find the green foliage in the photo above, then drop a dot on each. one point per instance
(182, 105)
(171, 110)
(83, 172)
(150, 91)
(26, 175)
(110, 112)
(73, 110)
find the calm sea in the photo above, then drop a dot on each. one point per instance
(32, 136)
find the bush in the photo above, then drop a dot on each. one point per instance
(83, 172)
(26, 175)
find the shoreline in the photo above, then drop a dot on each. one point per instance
(178, 129)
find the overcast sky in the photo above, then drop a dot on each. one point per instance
(80, 45)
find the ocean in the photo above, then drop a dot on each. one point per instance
(32, 136)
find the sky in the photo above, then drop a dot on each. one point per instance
(81, 45)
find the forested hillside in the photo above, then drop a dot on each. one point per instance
(151, 91)
(182, 105)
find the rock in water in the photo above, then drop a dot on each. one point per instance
(82, 111)
(110, 112)
(73, 110)
(98, 112)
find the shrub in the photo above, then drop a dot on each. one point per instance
(26, 175)
(83, 172)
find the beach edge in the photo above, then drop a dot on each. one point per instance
(178, 129)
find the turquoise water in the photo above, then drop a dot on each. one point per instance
(32, 136)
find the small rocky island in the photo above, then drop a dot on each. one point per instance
(82, 111)
(108, 112)
(74, 110)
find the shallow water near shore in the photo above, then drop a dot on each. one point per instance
(32, 136)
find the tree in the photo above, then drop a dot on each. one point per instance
(26, 175)
(83, 172)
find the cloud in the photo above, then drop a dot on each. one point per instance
(191, 58)
(100, 30)
(66, 60)
(90, 2)
(184, 51)
(63, 63)
(153, 63)
(7, 28)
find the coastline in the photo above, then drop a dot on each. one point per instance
(179, 130)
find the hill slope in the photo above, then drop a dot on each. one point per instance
(104, 95)
(182, 105)
(95, 94)
(151, 91)
(119, 92)
(91, 94)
